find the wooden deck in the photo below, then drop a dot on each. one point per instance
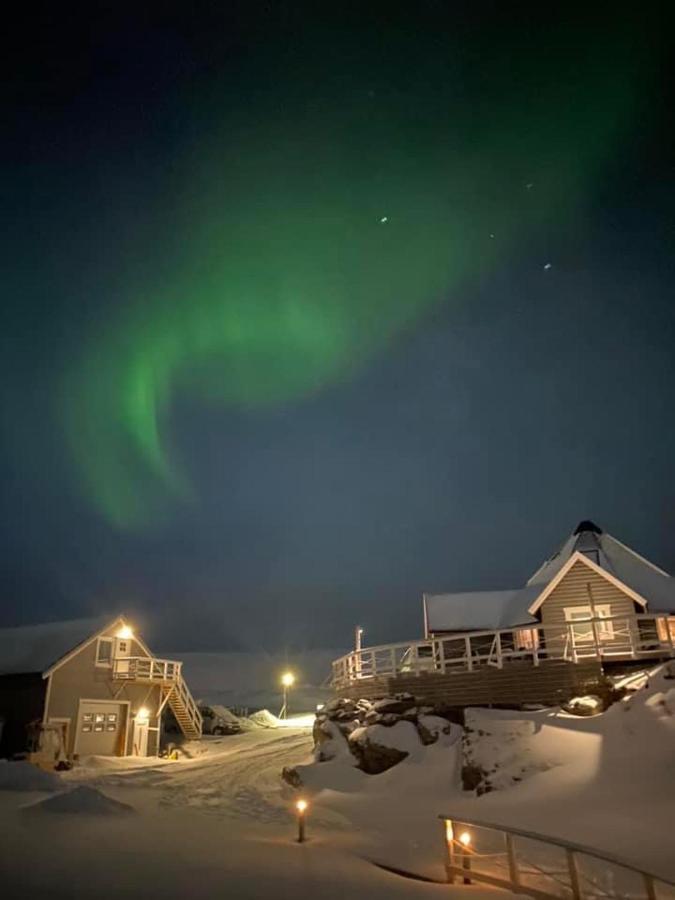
(541, 664)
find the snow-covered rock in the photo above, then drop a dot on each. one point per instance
(83, 800)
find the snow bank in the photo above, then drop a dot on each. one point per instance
(24, 776)
(82, 800)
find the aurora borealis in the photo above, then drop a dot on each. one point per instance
(329, 303)
(313, 226)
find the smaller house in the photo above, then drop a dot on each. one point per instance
(87, 686)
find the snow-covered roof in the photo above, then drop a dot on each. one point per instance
(506, 609)
(34, 648)
(480, 609)
(653, 584)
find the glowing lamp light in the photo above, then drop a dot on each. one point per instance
(449, 833)
(465, 839)
(143, 714)
(288, 679)
(301, 806)
(125, 633)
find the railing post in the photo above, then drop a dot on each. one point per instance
(500, 661)
(441, 655)
(574, 874)
(467, 653)
(514, 874)
(448, 839)
(649, 887)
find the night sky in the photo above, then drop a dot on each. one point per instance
(310, 308)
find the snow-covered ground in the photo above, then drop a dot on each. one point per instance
(220, 822)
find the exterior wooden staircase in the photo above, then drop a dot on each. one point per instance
(183, 707)
(175, 692)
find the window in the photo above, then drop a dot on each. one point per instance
(666, 629)
(583, 632)
(104, 652)
(526, 638)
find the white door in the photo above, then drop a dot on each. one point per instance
(140, 742)
(122, 652)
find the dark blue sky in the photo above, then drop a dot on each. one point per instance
(456, 458)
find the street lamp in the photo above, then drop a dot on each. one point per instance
(287, 682)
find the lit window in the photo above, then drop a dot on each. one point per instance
(583, 631)
(527, 638)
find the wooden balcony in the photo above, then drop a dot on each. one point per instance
(613, 638)
(146, 670)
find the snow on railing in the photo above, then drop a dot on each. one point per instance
(543, 867)
(633, 637)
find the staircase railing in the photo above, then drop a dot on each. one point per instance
(187, 701)
(543, 867)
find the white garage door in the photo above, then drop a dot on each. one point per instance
(100, 728)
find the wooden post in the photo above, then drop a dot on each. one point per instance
(574, 875)
(593, 622)
(500, 661)
(466, 866)
(649, 887)
(301, 826)
(514, 875)
(467, 653)
(448, 833)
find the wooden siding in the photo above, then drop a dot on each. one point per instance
(573, 592)
(550, 683)
(80, 678)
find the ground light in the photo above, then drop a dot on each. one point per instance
(301, 809)
(465, 841)
(287, 682)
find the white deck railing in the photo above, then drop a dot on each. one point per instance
(542, 867)
(617, 637)
(166, 672)
(146, 668)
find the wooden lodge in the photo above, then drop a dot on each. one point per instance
(593, 605)
(87, 687)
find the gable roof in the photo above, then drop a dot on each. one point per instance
(478, 610)
(624, 564)
(35, 648)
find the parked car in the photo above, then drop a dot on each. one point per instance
(219, 720)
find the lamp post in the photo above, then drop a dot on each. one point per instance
(301, 809)
(465, 841)
(287, 682)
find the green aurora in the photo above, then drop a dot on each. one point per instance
(303, 234)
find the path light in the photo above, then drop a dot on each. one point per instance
(287, 682)
(301, 809)
(465, 841)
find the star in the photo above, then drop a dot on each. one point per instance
(384, 219)
(548, 265)
(530, 185)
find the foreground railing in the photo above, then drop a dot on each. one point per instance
(640, 636)
(146, 668)
(529, 863)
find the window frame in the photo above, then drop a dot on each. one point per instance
(604, 629)
(104, 664)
